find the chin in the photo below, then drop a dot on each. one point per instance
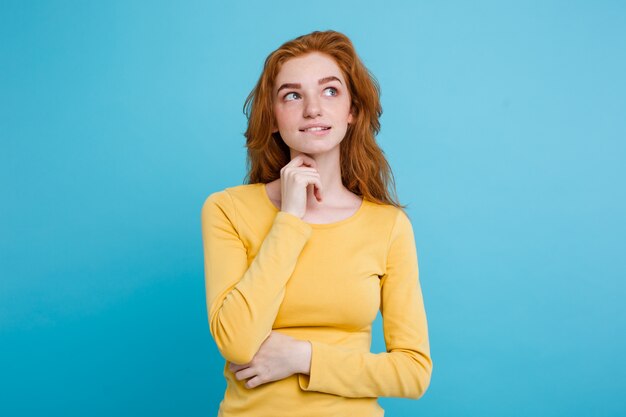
(314, 144)
(318, 148)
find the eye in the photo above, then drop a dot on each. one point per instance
(286, 96)
(333, 89)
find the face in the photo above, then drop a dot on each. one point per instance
(310, 91)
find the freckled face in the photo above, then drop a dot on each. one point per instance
(311, 90)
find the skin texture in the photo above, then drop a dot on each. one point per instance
(329, 104)
(279, 357)
(295, 176)
(310, 186)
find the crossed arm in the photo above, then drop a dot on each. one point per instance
(242, 304)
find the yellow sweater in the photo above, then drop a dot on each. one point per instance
(267, 270)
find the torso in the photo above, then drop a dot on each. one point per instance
(345, 208)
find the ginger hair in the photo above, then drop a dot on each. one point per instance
(364, 168)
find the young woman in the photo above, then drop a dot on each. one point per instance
(299, 260)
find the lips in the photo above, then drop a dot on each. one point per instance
(314, 129)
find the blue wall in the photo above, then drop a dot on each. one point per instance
(504, 125)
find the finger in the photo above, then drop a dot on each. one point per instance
(298, 174)
(254, 382)
(245, 374)
(234, 367)
(315, 180)
(303, 159)
(286, 171)
(318, 194)
(299, 163)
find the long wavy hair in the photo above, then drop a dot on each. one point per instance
(364, 168)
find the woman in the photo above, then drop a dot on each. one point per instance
(299, 260)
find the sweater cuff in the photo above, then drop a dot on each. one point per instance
(315, 380)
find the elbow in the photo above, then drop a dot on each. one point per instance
(424, 370)
(232, 346)
(235, 354)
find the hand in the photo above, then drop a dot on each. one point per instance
(279, 357)
(295, 177)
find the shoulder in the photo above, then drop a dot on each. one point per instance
(387, 213)
(228, 198)
(386, 220)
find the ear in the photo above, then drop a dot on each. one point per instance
(350, 116)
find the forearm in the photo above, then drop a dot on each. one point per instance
(242, 299)
(351, 373)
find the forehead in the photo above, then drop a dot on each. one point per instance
(308, 69)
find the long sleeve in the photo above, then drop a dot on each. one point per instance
(242, 302)
(405, 369)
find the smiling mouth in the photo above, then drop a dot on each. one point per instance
(315, 129)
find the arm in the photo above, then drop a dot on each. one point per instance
(405, 369)
(242, 301)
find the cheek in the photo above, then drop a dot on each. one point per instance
(284, 117)
(344, 106)
(279, 118)
(345, 111)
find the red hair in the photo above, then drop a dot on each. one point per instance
(364, 168)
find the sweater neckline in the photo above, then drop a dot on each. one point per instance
(354, 215)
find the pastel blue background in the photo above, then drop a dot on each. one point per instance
(504, 123)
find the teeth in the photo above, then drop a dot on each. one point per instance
(315, 129)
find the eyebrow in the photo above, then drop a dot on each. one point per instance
(319, 82)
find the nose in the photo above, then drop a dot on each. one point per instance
(312, 107)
